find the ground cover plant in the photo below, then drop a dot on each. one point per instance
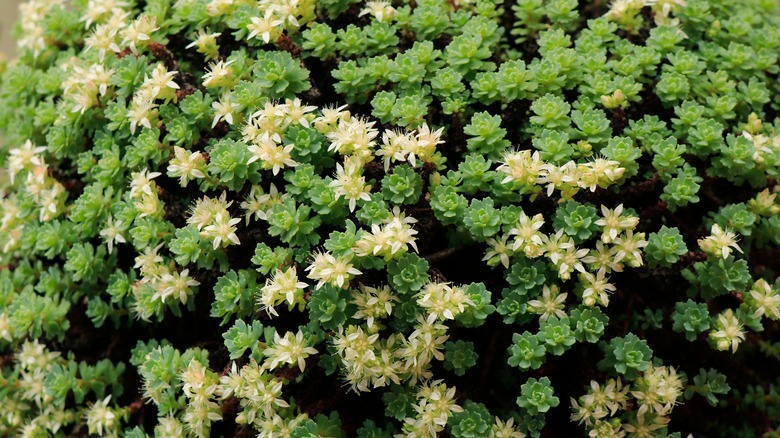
(464, 218)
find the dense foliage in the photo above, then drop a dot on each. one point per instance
(473, 218)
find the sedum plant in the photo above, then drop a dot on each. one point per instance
(335, 218)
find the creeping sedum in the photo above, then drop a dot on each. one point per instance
(337, 218)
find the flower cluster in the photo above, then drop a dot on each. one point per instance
(47, 193)
(435, 404)
(389, 239)
(199, 386)
(211, 217)
(656, 393)
(284, 286)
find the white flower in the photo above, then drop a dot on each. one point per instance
(219, 74)
(112, 233)
(529, 239)
(727, 331)
(400, 233)
(720, 242)
(205, 210)
(25, 156)
(764, 299)
(138, 33)
(141, 183)
(274, 157)
(103, 39)
(206, 43)
(390, 238)
(149, 261)
(297, 113)
(203, 38)
(224, 108)
(215, 8)
(159, 85)
(337, 271)
(350, 184)
(505, 429)
(597, 288)
(100, 77)
(373, 303)
(141, 111)
(5, 327)
(259, 203)
(498, 253)
(84, 98)
(267, 28)
(551, 304)
(169, 426)
(330, 116)
(630, 245)
(381, 10)
(175, 285)
(354, 136)
(290, 349)
(186, 165)
(558, 177)
(283, 286)
(613, 222)
(442, 301)
(522, 166)
(99, 417)
(98, 10)
(222, 230)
